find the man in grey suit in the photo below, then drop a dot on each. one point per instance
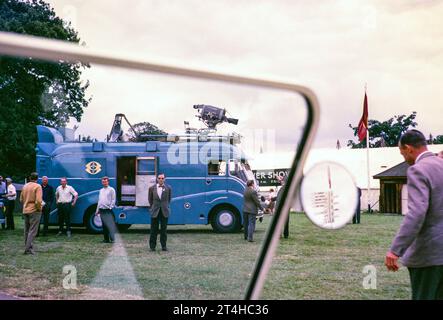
(159, 198)
(419, 241)
(251, 205)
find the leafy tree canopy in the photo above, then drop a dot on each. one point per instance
(145, 128)
(437, 140)
(35, 92)
(386, 133)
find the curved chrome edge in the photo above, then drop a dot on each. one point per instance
(272, 237)
(56, 50)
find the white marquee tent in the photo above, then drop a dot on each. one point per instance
(354, 160)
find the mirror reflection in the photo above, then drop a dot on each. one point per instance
(162, 187)
(329, 195)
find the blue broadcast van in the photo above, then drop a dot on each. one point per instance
(207, 174)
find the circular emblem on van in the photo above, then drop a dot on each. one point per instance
(93, 167)
(187, 205)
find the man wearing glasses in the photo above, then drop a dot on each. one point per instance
(159, 199)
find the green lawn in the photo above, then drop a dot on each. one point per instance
(328, 264)
(311, 264)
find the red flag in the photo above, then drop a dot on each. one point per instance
(363, 124)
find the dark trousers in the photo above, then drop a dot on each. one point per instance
(2, 213)
(427, 283)
(356, 218)
(108, 222)
(286, 230)
(32, 221)
(249, 225)
(64, 216)
(45, 215)
(10, 206)
(245, 224)
(154, 230)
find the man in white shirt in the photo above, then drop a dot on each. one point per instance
(106, 202)
(65, 196)
(10, 204)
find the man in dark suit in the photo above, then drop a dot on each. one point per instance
(419, 241)
(48, 199)
(251, 205)
(159, 199)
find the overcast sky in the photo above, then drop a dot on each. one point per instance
(333, 47)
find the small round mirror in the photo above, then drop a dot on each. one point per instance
(329, 195)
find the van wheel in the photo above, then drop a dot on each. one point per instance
(92, 222)
(225, 220)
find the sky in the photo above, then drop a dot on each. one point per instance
(335, 48)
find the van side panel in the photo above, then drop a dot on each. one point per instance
(84, 164)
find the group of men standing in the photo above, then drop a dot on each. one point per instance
(65, 197)
(37, 200)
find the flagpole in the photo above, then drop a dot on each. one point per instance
(367, 160)
(369, 174)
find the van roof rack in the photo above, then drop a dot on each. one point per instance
(232, 138)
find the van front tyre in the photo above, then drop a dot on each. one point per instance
(225, 220)
(92, 222)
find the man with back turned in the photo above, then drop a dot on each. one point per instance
(419, 241)
(31, 198)
(251, 204)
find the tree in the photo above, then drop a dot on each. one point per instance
(145, 128)
(34, 92)
(386, 133)
(438, 140)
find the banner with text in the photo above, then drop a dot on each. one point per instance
(268, 177)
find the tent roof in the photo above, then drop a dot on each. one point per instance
(395, 172)
(380, 160)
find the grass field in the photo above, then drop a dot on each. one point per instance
(311, 264)
(325, 264)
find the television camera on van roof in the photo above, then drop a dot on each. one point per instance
(212, 116)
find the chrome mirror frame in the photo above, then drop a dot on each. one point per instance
(17, 45)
